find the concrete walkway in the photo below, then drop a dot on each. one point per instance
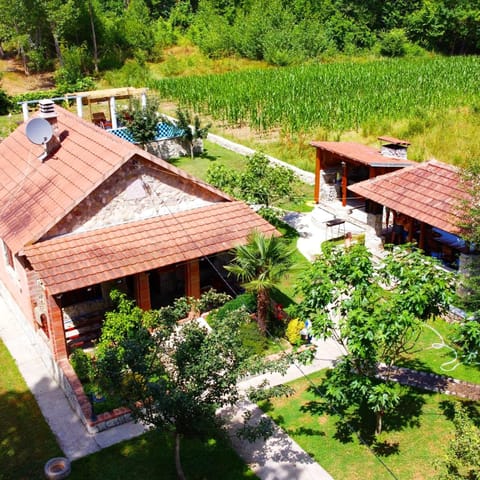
(279, 457)
(72, 436)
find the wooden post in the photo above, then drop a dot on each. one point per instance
(25, 111)
(410, 230)
(421, 240)
(142, 291)
(318, 171)
(371, 172)
(344, 184)
(192, 278)
(55, 326)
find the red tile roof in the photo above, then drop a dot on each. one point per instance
(361, 153)
(395, 141)
(35, 195)
(429, 192)
(74, 261)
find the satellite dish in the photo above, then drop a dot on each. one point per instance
(38, 131)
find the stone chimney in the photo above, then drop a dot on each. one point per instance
(47, 111)
(394, 148)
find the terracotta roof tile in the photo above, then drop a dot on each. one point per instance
(75, 261)
(35, 195)
(361, 153)
(429, 192)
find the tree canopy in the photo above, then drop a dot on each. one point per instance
(173, 377)
(278, 31)
(375, 312)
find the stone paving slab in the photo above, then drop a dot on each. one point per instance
(279, 457)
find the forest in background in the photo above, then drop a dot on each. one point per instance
(335, 49)
(80, 38)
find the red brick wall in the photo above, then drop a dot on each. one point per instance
(55, 326)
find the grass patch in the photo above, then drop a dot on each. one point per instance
(429, 359)
(216, 154)
(186, 59)
(26, 442)
(285, 293)
(213, 154)
(412, 440)
(152, 456)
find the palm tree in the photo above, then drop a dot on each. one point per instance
(259, 265)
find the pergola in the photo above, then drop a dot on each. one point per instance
(93, 97)
(355, 162)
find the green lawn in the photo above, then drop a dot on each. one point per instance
(412, 440)
(151, 456)
(215, 154)
(212, 154)
(26, 442)
(427, 358)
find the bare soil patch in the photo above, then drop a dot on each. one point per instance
(14, 80)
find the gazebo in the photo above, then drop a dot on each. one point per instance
(340, 164)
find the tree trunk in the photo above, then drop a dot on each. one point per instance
(178, 463)
(262, 310)
(94, 37)
(56, 43)
(378, 428)
(24, 60)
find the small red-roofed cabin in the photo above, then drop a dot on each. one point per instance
(341, 164)
(421, 204)
(87, 212)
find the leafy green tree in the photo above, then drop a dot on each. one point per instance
(138, 30)
(223, 178)
(173, 378)
(260, 182)
(468, 336)
(143, 121)
(260, 265)
(61, 16)
(394, 43)
(375, 312)
(191, 133)
(468, 339)
(264, 183)
(462, 460)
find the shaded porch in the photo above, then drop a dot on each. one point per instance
(83, 310)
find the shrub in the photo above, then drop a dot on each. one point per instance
(295, 326)
(71, 76)
(246, 300)
(468, 339)
(5, 103)
(212, 299)
(252, 339)
(82, 364)
(394, 43)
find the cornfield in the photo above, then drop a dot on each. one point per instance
(336, 97)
